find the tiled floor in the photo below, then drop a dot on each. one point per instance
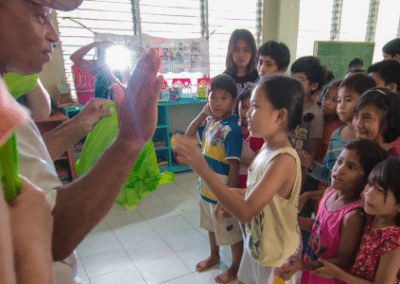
(158, 242)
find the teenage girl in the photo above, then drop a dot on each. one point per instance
(336, 231)
(378, 258)
(269, 204)
(377, 118)
(241, 59)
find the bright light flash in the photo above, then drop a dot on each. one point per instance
(118, 58)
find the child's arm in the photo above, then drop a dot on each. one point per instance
(85, 65)
(191, 131)
(351, 231)
(234, 166)
(316, 194)
(386, 273)
(305, 223)
(276, 180)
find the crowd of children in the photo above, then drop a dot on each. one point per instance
(250, 172)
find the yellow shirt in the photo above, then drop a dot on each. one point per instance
(274, 234)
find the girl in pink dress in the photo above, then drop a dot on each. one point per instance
(378, 258)
(336, 231)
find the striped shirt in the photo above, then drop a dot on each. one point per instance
(220, 141)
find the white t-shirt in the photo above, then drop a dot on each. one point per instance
(35, 163)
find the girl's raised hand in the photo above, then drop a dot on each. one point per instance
(329, 270)
(189, 153)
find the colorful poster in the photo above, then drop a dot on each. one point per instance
(177, 55)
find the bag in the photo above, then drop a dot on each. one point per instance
(145, 175)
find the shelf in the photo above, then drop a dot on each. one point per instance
(161, 148)
(162, 126)
(183, 101)
(176, 168)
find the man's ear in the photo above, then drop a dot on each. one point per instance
(314, 86)
(234, 101)
(397, 57)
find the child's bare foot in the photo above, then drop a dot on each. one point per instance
(227, 276)
(207, 263)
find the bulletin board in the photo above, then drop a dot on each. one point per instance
(336, 55)
(177, 55)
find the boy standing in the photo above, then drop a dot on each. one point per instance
(221, 144)
(272, 58)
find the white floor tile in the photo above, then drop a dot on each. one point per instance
(170, 225)
(162, 269)
(118, 221)
(128, 275)
(81, 272)
(135, 233)
(187, 279)
(192, 217)
(117, 210)
(193, 256)
(153, 248)
(185, 240)
(190, 205)
(160, 212)
(176, 198)
(106, 262)
(150, 201)
(169, 188)
(101, 228)
(97, 243)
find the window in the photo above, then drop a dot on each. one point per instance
(102, 16)
(315, 27)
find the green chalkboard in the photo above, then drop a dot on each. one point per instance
(337, 55)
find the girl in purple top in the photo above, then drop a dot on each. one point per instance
(337, 229)
(377, 118)
(378, 258)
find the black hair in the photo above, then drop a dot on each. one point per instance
(358, 83)
(356, 63)
(392, 47)
(285, 92)
(386, 174)
(312, 67)
(248, 37)
(278, 51)
(246, 93)
(223, 82)
(388, 70)
(370, 153)
(389, 102)
(332, 85)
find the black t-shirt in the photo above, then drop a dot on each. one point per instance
(245, 81)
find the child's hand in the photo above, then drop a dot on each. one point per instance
(307, 160)
(220, 210)
(329, 270)
(189, 153)
(206, 110)
(287, 270)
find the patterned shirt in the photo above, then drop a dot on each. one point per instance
(220, 140)
(374, 244)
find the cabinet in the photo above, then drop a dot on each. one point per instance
(161, 139)
(65, 164)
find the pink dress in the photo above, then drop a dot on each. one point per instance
(250, 146)
(374, 244)
(324, 237)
